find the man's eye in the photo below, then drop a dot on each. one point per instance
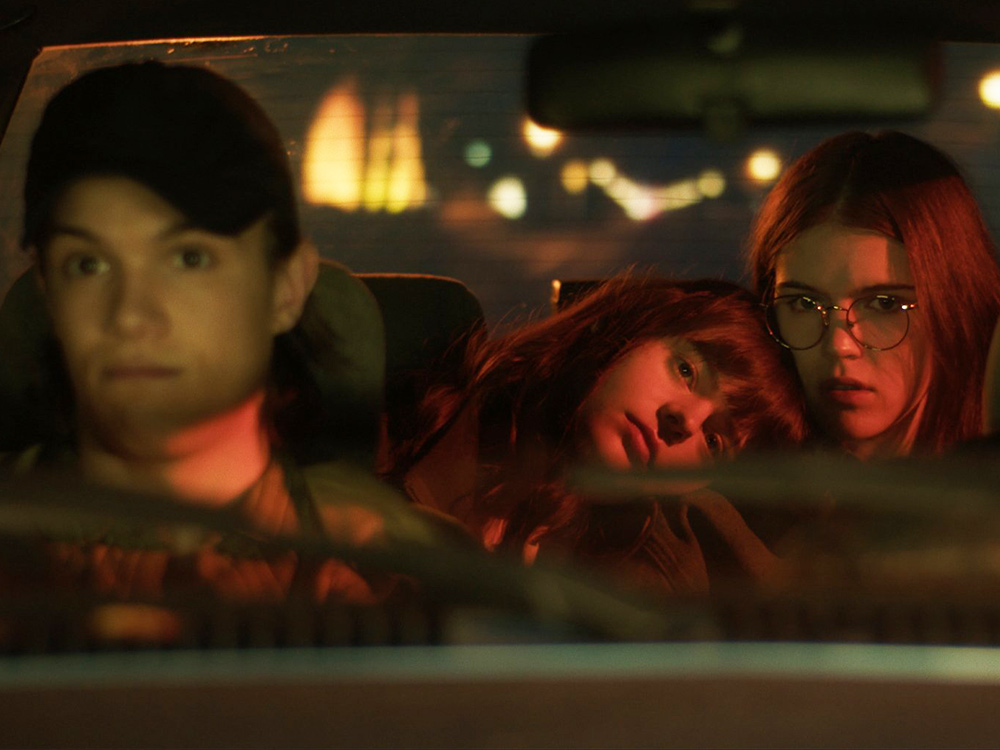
(193, 257)
(84, 265)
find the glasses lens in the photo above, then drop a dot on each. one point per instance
(797, 321)
(879, 321)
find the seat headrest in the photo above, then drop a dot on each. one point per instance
(424, 316)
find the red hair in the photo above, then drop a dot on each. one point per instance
(905, 189)
(529, 385)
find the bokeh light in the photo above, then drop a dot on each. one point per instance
(574, 177)
(763, 165)
(371, 157)
(602, 172)
(989, 89)
(508, 197)
(541, 141)
(478, 153)
(711, 183)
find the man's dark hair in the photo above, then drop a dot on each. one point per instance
(193, 137)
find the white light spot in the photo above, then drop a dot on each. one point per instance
(508, 198)
(989, 89)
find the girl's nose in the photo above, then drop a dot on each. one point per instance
(679, 420)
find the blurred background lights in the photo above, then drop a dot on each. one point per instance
(574, 177)
(711, 183)
(644, 202)
(478, 153)
(989, 89)
(602, 172)
(357, 156)
(508, 198)
(541, 141)
(763, 165)
(334, 157)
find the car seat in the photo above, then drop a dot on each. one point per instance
(429, 321)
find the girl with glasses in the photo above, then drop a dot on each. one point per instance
(879, 278)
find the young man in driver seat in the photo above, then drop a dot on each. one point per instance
(160, 208)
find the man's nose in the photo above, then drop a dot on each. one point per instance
(136, 308)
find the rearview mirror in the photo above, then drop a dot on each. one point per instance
(724, 73)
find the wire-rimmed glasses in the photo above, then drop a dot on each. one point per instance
(876, 321)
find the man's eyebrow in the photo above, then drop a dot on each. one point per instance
(71, 231)
(179, 227)
(860, 291)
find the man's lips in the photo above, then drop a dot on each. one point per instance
(139, 370)
(645, 440)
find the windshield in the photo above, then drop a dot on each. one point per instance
(414, 154)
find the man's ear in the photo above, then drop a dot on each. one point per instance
(295, 277)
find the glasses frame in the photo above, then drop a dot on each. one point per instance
(824, 311)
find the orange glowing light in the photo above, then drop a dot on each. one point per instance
(351, 162)
(333, 160)
(989, 89)
(574, 177)
(764, 165)
(541, 141)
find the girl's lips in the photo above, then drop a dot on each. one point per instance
(645, 438)
(846, 391)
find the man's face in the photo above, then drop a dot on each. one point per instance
(163, 325)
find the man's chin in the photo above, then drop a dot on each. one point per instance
(148, 427)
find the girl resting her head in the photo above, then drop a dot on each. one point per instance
(880, 277)
(641, 374)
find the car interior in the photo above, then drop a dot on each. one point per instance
(465, 169)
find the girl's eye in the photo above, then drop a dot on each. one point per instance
(716, 444)
(686, 370)
(193, 258)
(883, 303)
(84, 265)
(804, 304)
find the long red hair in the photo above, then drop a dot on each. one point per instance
(905, 189)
